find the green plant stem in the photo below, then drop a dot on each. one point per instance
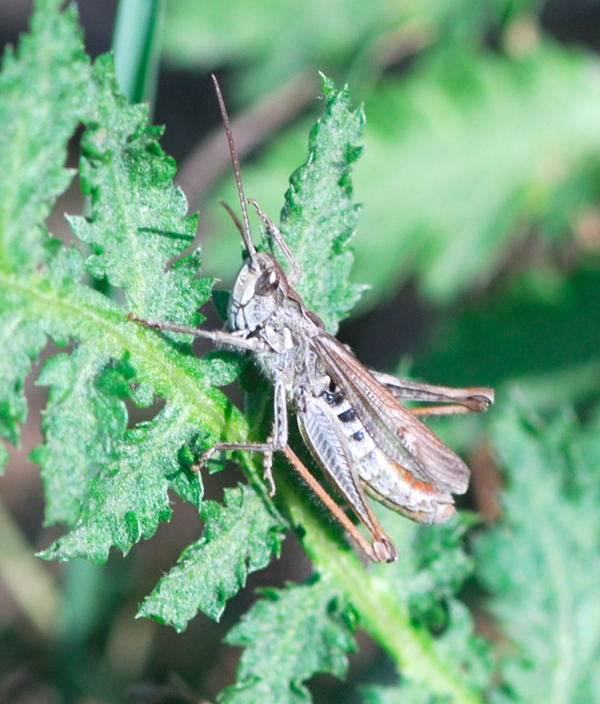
(176, 377)
(382, 614)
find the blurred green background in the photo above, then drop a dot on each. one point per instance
(479, 238)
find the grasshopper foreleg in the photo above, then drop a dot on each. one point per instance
(276, 442)
(219, 337)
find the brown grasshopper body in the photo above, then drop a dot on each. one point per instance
(352, 420)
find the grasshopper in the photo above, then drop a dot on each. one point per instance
(351, 418)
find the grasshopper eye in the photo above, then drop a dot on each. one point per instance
(266, 283)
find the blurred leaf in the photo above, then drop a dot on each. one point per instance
(436, 567)
(270, 41)
(412, 692)
(430, 642)
(136, 45)
(459, 645)
(290, 635)
(541, 562)
(541, 332)
(240, 537)
(455, 166)
(406, 693)
(431, 570)
(466, 158)
(351, 36)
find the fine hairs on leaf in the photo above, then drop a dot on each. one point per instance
(289, 635)
(107, 482)
(240, 536)
(319, 213)
(31, 110)
(107, 478)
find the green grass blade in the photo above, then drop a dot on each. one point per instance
(136, 44)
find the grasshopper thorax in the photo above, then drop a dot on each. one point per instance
(258, 292)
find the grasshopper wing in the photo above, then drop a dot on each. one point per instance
(322, 434)
(395, 431)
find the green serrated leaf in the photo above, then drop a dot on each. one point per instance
(124, 164)
(110, 485)
(37, 122)
(239, 537)
(107, 482)
(69, 459)
(319, 215)
(128, 498)
(290, 635)
(21, 341)
(38, 119)
(541, 562)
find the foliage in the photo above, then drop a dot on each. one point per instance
(33, 176)
(480, 166)
(541, 562)
(541, 329)
(319, 213)
(350, 32)
(240, 536)
(485, 133)
(106, 481)
(289, 635)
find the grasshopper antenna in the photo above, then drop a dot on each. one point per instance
(245, 230)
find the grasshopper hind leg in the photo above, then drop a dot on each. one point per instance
(323, 436)
(380, 550)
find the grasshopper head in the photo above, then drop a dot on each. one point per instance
(261, 285)
(259, 290)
